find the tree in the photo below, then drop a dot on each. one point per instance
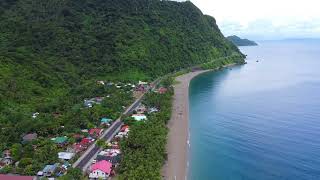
(44, 148)
(6, 170)
(101, 143)
(76, 173)
(167, 82)
(16, 151)
(24, 162)
(29, 170)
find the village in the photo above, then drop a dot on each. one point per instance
(102, 164)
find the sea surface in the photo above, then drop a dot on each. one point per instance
(259, 121)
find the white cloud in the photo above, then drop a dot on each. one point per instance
(265, 19)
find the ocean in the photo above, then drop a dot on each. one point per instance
(259, 121)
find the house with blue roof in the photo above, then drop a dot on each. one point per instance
(105, 120)
(48, 170)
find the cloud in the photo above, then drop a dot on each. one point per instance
(265, 19)
(262, 29)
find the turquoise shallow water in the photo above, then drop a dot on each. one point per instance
(260, 121)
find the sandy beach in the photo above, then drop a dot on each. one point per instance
(177, 147)
(176, 167)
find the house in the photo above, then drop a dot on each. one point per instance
(121, 135)
(123, 132)
(124, 128)
(100, 170)
(162, 90)
(77, 147)
(114, 160)
(139, 117)
(60, 140)
(141, 109)
(34, 115)
(65, 155)
(6, 158)
(85, 142)
(142, 83)
(2, 164)
(110, 152)
(98, 100)
(48, 170)
(66, 165)
(113, 145)
(105, 120)
(100, 82)
(30, 137)
(84, 130)
(95, 132)
(88, 103)
(6, 161)
(140, 88)
(6, 154)
(15, 177)
(153, 110)
(118, 86)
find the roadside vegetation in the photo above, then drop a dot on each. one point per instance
(144, 150)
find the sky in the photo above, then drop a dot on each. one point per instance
(265, 19)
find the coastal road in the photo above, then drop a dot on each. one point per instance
(86, 158)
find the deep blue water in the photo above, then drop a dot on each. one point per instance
(259, 121)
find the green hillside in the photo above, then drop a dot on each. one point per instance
(52, 52)
(241, 42)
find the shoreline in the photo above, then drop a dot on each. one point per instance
(176, 166)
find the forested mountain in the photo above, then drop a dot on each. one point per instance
(241, 42)
(52, 51)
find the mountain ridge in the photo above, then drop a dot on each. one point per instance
(241, 42)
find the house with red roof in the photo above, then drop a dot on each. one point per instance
(95, 132)
(162, 90)
(83, 144)
(76, 147)
(140, 88)
(86, 142)
(100, 170)
(124, 128)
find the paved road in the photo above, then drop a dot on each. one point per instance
(108, 135)
(85, 160)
